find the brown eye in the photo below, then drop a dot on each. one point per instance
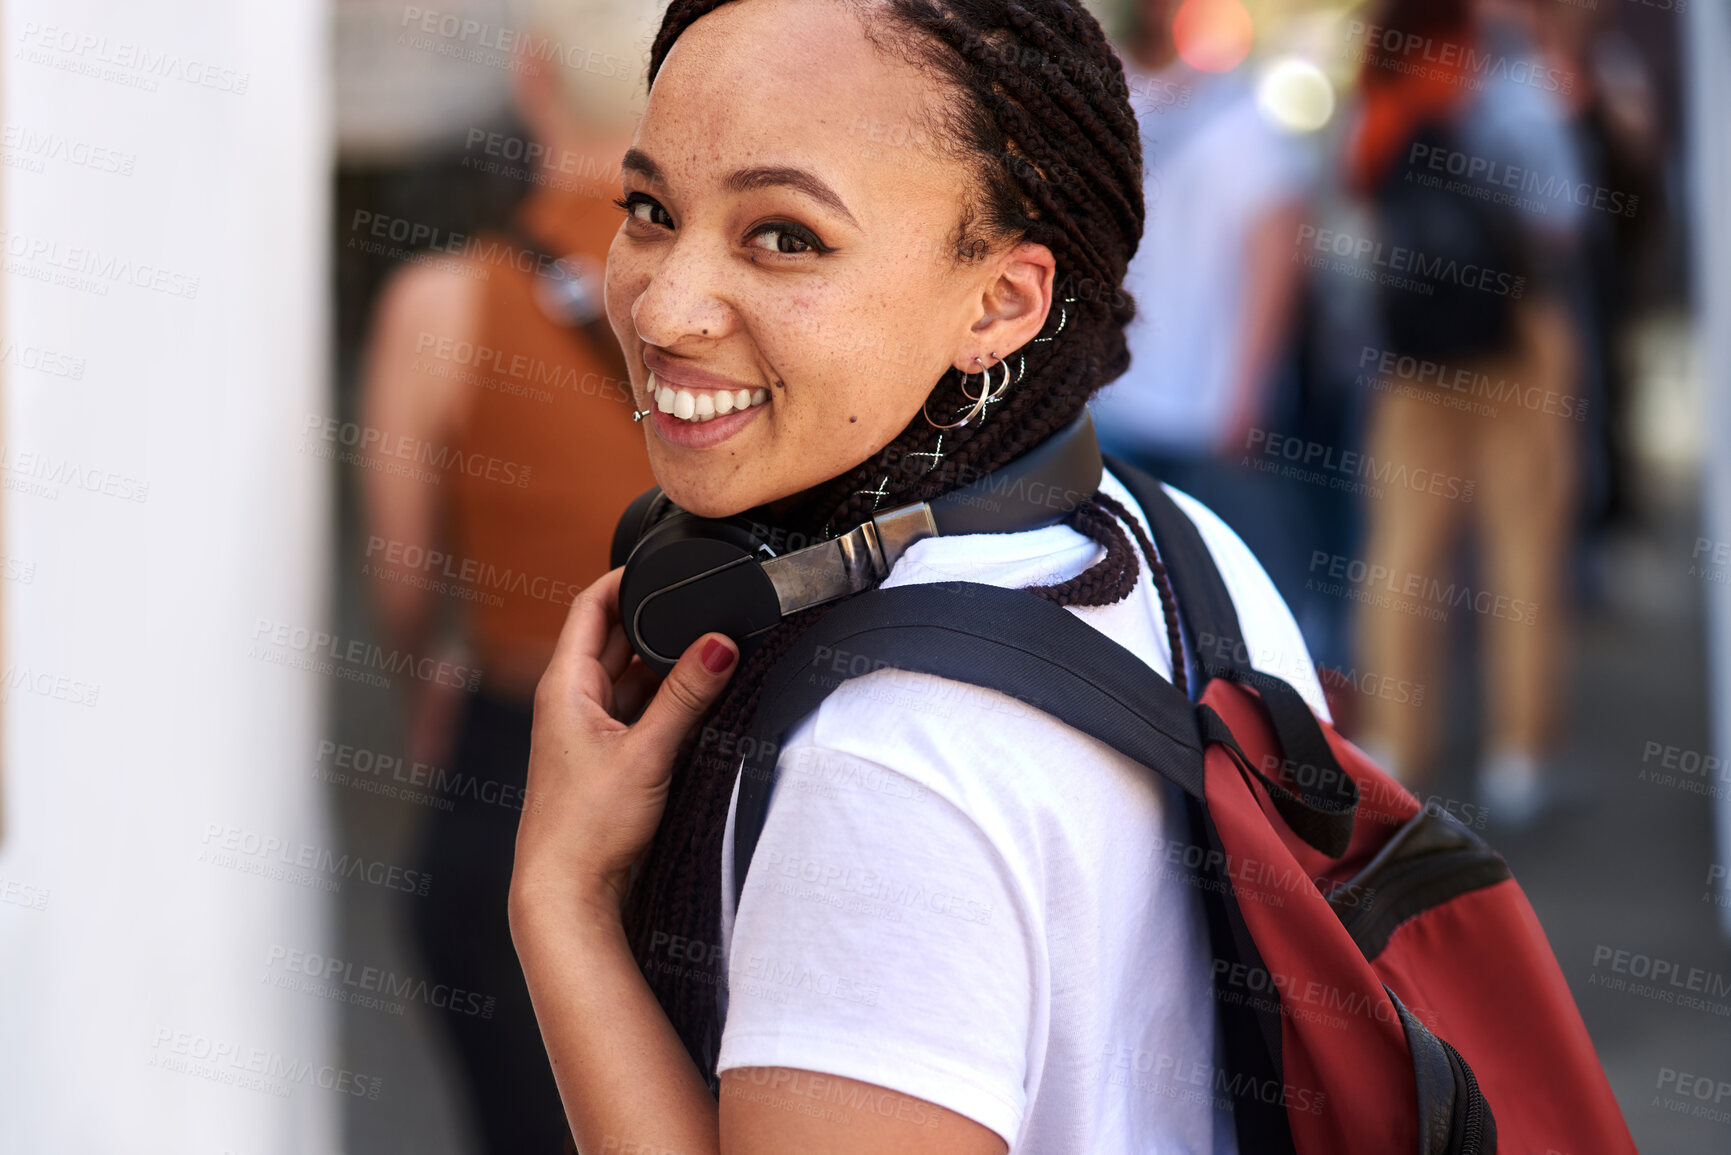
(645, 209)
(788, 239)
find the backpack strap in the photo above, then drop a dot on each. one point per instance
(984, 635)
(1206, 610)
(1014, 642)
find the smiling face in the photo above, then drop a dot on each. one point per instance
(784, 285)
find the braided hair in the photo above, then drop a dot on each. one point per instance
(1037, 106)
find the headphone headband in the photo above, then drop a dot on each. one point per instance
(686, 575)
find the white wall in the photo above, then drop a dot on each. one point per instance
(177, 509)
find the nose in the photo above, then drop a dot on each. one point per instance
(687, 296)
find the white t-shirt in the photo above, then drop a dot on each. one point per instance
(958, 897)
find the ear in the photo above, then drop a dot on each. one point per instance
(1013, 305)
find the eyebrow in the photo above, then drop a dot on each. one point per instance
(794, 178)
(746, 179)
(637, 161)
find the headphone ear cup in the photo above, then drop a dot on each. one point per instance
(689, 576)
(639, 516)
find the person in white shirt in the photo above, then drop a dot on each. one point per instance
(1214, 280)
(968, 927)
(1217, 292)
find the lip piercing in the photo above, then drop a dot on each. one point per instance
(640, 414)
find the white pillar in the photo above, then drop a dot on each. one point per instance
(1707, 40)
(166, 187)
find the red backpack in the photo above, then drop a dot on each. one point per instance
(1383, 984)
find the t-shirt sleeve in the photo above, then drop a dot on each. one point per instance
(881, 937)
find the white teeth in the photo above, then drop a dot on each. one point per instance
(704, 406)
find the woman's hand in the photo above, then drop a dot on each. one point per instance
(601, 757)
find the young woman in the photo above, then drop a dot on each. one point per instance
(963, 931)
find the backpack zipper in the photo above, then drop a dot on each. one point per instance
(1473, 1125)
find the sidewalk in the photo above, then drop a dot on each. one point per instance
(1619, 874)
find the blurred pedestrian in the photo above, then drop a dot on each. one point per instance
(1466, 106)
(498, 360)
(1215, 287)
(1615, 118)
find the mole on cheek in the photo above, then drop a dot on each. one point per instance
(852, 419)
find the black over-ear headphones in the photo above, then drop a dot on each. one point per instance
(687, 575)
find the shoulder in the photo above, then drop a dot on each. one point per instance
(439, 289)
(1271, 634)
(892, 714)
(426, 310)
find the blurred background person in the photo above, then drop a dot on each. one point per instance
(1614, 119)
(1521, 329)
(1214, 280)
(499, 358)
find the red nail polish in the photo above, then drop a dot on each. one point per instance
(717, 656)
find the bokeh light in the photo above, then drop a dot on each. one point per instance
(1213, 35)
(1295, 94)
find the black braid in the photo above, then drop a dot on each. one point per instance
(1168, 603)
(1040, 110)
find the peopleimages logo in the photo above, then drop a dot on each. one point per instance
(1469, 384)
(236, 848)
(123, 61)
(1429, 56)
(1399, 266)
(355, 444)
(531, 372)
(397, 777)
(1660, 979)
(1501, 180)
(370, 232)
(40, 360)
(307, 647)
(252, 1068)
(342, 981)
(1322, 464)
(42, 474)
(32, 150)
(1175, 1077)
(1379, 585)
(88, 269)
(469, 39)
(47, 684)
(447, 573)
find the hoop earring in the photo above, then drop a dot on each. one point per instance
(985, 379)
(989, 396)
(1003, 388)
(979, 405)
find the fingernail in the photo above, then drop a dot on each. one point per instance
(717, 656)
